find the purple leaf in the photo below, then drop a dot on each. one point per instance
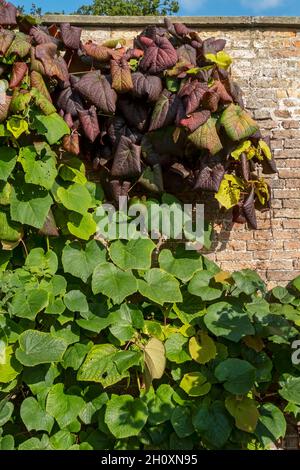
(97, 89)
(187, 53)
(119, 188)
(117, 126)
(6, 38)
(146, 86)
(70, 101)
(212, 45)
(192, 94)
(8, 14)
(209, 179)
(159, 55)
(127, 159)
(54, 65)
(89, 121)
(165, 111)
(70, 35)
(249, 209)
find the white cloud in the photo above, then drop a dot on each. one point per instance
(191, 6)
(260, 5)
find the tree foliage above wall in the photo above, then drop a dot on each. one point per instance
(100, 347)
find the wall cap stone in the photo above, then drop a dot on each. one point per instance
(220, 22)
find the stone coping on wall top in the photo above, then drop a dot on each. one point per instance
(289, 22)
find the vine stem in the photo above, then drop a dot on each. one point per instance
(25, 247)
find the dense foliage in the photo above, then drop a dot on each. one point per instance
(121, 344)
(130, 7)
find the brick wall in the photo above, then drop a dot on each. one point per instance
(266, 53)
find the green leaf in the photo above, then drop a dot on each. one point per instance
(39, 169)
(206, 137)
(82, 226)
(73, 170)
(112, 282)
(151, 287)
(63, 407)
(99, 366)
(75, 355)
(39, 348)
(52, 126)
(271, 424)
(6, 411)
(132, 254)
(7, 442)
(27, 303)
(229, 191)
(76, 301)
(199, 286)
(17, 126)
(195, 384)
(183, 264)
(30, 205)
(8, 160)
(81, 260)
(248, 281)
(290, 389)
(244, 410)
(9, 366)
(238, 123)
(34, 417)
(75, 198)
(202, 348)
(176, 348)
(213, 423)
(41, 263)
(181, 420)
(125, 416)
(238, 375)
(221, 59)
(9, 231)
(229, 321)
(5, 192)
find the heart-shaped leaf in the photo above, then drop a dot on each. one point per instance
(6, 38)
(97, 89)
(159, 55)
(206, 137)
(8, 14)
(165, 110)
(113, 282)
(54, 65)
(238, 123)
(192, 94)
(70, 35)
(195, 120)
(89, 121)
(37, 81)
(19, 71)
(146, 86)
(127, 159)
(121, 76)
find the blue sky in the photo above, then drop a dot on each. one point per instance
(194, 7)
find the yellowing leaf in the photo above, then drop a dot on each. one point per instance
(224, 277)
(206, 137)
(221, 58)
(242, 148)
(202, 348)
(230, 191)
(262, 191)
(195, 384)
(244, 411)
(17, 126)
(155, 360)
(265, 149)
(254, 342)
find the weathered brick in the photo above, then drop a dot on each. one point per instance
(291, 124)
(291, 223)
(281, 276)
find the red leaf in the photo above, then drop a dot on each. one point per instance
(19, 71)
(70, 101)
(249, 209)
(209, 179)
(54, 65)
(71, 143)
(4, 108)
(98, 52)
(89, 121)
(195, 120)
(6, 38)
(37, 81)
